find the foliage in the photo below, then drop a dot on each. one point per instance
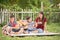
(35, 5)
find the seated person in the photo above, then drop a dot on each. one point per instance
(31, 26)
(13, 26)
(41, 22)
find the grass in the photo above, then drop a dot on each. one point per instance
(53, 27)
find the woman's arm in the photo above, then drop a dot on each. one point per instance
(45, 28)
(35, 24)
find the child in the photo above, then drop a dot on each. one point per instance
(13, 26)
(31, 26)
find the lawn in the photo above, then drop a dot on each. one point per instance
(53, 27)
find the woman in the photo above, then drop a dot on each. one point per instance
(41, 22)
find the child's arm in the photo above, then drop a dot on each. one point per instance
(16, 26)
(35, 25)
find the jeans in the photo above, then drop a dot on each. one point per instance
(30, 29)
(40, 30)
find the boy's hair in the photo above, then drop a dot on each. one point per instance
(11, 16)
(27, 18)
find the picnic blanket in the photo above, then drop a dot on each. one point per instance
(36, 34)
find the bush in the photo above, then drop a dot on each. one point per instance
(2, 24)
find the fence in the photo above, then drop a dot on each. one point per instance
(5, 14)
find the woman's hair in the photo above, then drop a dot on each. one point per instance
(42, 14)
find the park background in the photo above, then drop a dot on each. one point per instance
(23, 8)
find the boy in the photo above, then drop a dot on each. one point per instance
(13, 26)
(32, 26)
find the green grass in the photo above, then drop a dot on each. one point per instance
(53, 27)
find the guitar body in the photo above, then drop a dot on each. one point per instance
(22, 23)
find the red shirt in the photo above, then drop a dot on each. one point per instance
(40, 23)
(12, 24)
